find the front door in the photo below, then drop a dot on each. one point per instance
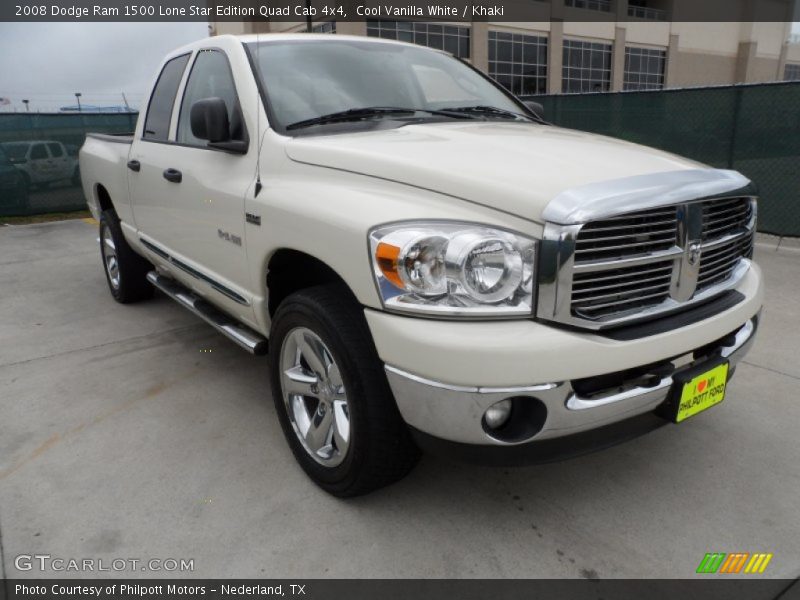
(188, 199)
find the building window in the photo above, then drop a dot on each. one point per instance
(586, 67)
(791, 72)
(644, 69)
(518, 62)
(442, 37)
(601, 5)
(324, 27)
(640, 9)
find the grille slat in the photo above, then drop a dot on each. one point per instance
(613, 275)
(620, 294)
(591, 290)
(611, 292)
(624, 227)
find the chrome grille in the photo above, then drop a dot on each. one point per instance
(640, 264)
(722, 217)
(627, 235)
(717, 263)
(597, 294)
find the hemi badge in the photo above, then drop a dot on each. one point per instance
(251, 218)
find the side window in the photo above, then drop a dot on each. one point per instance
(210, 78)
(55, 150)
(38, 151)
(159, 111)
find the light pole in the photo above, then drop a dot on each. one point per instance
(27, 108)
(78, 97)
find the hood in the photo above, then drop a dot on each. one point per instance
(513, 167)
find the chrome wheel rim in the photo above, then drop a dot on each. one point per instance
(314, 397)
(110, 258)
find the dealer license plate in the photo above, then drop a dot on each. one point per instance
(701, 392)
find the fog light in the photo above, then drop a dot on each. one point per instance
(497, 414)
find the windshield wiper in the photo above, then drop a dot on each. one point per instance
(487, 110)
(355, 114)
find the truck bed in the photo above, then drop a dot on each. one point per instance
(117, 138)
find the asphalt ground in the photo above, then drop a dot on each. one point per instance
(138, 432)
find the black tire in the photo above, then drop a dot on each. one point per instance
(380, 449)
(132, 269)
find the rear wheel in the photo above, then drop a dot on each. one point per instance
(126, 271)
(331, 394)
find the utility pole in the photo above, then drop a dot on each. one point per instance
(78, 97)
(27, 108)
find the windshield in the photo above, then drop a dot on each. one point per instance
(306, 80)
(16, 150)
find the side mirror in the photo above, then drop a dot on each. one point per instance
(535, 108)
(209, 120)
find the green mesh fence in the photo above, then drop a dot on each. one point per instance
(39, 158)
(754, 129)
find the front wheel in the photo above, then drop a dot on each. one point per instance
(331, 394)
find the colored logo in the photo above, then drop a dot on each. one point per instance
(736, 562)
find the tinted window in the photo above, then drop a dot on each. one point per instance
(55, 150)
(210, 78)
(156, 126)
(39, 151)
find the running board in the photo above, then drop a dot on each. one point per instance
(253, 342)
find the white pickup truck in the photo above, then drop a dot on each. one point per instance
(431, 264)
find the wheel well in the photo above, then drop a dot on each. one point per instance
(103, 199)
(291, 270)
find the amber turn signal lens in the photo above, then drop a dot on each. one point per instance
(386, 256)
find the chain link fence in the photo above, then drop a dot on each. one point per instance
(39, 158)
(754, 129)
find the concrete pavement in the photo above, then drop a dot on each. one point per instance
(139, 432)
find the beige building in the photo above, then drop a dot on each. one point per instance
(576, 47)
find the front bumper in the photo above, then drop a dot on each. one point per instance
(492, 361)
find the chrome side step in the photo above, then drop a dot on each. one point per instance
(253, 342)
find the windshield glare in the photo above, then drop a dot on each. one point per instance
(304, 80)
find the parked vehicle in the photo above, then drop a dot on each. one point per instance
(432, 265)
(43, 162)
(13, 188)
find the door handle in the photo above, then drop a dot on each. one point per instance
(134, 165)
(173, 175)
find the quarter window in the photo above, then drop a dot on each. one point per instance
(449, 38)
(518, 62)
(210, 77)
(644, 69)
(159, 111)
(586, 67)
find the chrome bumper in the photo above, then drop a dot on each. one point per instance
(455, 413)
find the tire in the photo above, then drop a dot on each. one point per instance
(126, 271)
(378, 449)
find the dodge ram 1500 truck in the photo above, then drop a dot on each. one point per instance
(431, 264)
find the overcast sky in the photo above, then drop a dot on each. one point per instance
(48, 62)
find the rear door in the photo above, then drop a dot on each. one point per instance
(42, 168)
(60, 161)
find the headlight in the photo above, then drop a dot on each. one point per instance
(453, 269)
